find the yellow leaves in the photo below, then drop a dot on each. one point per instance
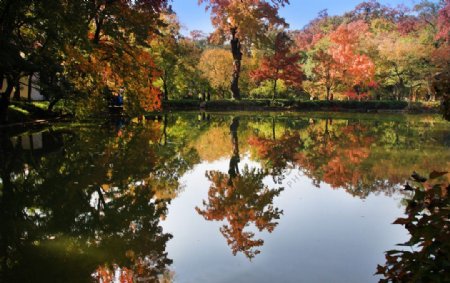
(395, 48)
(107, 187)
(220, 137)
(380, 25)
(216, 66)
(251, 17)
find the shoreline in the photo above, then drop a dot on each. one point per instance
(262, 106)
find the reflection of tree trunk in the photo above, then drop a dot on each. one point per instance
(8, 215)
(273, 128)
(165, 129)
(237, 57)
(326, 133)
(234, 161)
(8, 200)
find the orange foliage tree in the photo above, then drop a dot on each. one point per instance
(357, 70)
(444, 23)
(242, 20)
(282, 65)
(326, 72)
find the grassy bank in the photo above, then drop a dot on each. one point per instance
(308, 105)
(25, 112)
(21, 112)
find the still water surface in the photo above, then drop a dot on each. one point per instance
(234, 197)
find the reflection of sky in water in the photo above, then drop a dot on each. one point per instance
(324, 235)
(82, 197)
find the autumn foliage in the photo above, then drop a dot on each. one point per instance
(241, 201)
(282, 65)
(240, 21)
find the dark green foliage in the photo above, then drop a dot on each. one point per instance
(181, 104)
(288, 104)
(350, 105)
(237, 104)
(428, 260)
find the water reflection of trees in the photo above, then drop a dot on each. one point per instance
(241, 198)
(425, 257)
(91, 206)
(91, 195)
(362, 157)
(336, 157)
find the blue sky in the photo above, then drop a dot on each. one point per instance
(297, 14)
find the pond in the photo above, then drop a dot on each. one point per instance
(212, 197)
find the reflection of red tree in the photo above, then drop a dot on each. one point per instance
(277, 153)
(343, 168)
(324, 145)
(240, 201)
(337, 157)
(143, 270)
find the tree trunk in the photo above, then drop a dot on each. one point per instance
(52, 104)
(328, 92)
(237, 58)
(98, 29)
(5, 101)
(17, 90)
(357, 89)
(165, 129)
(274, 89)
(30, 81)
(166, 90)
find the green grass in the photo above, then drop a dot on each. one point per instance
(22, 111)
(41, 104)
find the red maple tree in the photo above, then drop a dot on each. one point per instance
(282, 65)
(358, 70)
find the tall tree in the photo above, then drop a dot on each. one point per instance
(357, 69)
(281, 65)
(166, 50)
(242, 20)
